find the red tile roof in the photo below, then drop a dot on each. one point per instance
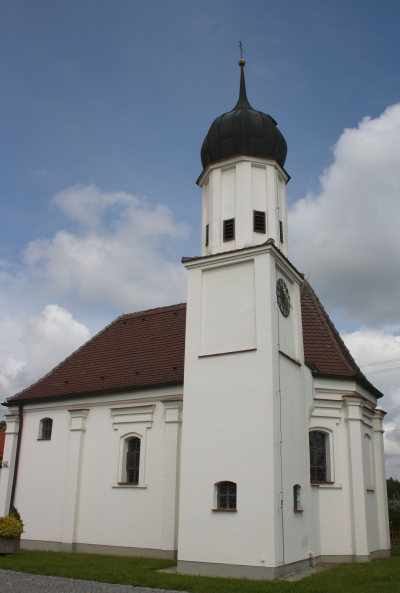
(147, 349)
(324, 350)
(136, 351)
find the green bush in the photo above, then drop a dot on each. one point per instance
(11, 526)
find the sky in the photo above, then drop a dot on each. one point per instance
(104, 107)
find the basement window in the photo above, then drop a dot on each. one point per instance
(259, 221)
(229, 229)
(207, 234)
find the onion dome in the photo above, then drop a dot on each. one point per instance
(243, 131)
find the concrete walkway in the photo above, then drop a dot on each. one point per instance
(20, 582)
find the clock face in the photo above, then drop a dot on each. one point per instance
(283, 297)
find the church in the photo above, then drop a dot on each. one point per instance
(234, 432)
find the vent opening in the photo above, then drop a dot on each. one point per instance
(281, 231)
(259, 221)
(207, 233)
(229, 229)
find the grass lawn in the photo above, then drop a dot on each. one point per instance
(376, 577)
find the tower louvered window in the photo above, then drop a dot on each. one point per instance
(229, 229)
(133, 461)
(317, 457)
(259, 221)
(207, 234)
(281, 231)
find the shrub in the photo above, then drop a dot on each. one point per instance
(10, 526)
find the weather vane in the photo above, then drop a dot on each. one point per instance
(241, 48)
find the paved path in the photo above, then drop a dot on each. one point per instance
(20, 582)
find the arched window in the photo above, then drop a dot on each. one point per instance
(226, 495)
(46, 426)
(133, 461)
(318, 466)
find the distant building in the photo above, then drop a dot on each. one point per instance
(236, 432)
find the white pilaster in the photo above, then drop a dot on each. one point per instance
(354, 419)
(71, 504)
(380, 486)
(7, 473)
(172, 421)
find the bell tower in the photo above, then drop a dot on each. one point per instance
(244, 458)
(243, 182)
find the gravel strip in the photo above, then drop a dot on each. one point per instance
(20, 582)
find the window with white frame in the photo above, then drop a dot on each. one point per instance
(132, 459)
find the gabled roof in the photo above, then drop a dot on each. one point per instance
(147, 349)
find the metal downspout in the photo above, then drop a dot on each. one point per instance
(14, 484)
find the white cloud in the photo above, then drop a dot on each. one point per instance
(127, 262)
(46, 340)
(118, 254)
(347, 235)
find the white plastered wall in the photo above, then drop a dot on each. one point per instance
(232, 416)
(103, 511)
(235, 189)
(352, 519)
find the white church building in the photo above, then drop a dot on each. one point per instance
(235, 433)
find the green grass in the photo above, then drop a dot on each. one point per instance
(376, 577)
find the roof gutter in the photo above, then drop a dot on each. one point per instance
(15, 474)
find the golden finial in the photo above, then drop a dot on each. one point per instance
(242, 62)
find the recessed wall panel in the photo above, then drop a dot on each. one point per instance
(228, 309)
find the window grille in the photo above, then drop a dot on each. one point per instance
(317, 457)
(207, 233)
(226, 495)
(229, 229)
(47, 425)
(133, 461)
(259, 221)
(281, 231)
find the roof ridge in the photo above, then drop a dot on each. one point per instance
(333, 332)
(153, 311)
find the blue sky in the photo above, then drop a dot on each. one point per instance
(105, 105)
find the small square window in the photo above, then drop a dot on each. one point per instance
(226, 496)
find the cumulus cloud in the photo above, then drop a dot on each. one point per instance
(369, 345)
(119, 253)
(347, 234)
(122, 254)
(46, 340)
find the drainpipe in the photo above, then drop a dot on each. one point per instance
(15, 474)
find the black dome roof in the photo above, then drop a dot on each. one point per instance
(243, 131)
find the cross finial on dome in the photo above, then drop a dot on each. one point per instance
(241, 62)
